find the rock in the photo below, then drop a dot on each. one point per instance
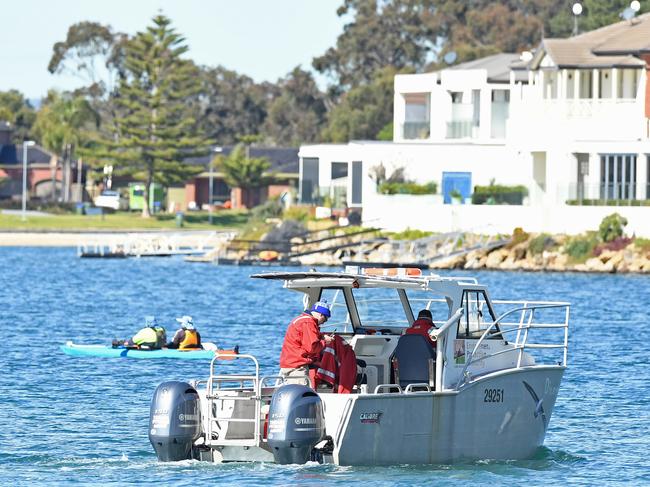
(495, 258)
(596, 265)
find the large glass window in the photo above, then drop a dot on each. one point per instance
(618, 176)
(309, 182)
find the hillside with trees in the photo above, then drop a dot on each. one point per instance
(145, 105)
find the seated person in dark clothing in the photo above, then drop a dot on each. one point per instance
(422, 326)
(187, 336)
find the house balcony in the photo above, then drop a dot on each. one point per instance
(416, 130)
(586, 119)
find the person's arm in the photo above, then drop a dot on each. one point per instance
(178, 338)
(198, 340)
(312, 342)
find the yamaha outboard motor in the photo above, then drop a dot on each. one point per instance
(174, 421)
(296, 423)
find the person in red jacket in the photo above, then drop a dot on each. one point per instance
(422, 326)
(304, 343)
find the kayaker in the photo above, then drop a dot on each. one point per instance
(187, 336)
(152, 336)
(304, 343)
(422, 326)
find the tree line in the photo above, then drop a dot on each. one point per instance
(145, 106)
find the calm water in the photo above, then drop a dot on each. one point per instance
(65, 419)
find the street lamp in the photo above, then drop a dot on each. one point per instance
(217, 150)
(26, 144)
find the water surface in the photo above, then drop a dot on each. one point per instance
(66, 419)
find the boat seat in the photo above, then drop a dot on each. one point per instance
(413, 361)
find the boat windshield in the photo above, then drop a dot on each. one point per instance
(339, 322)
(380, 308)
(437, 304)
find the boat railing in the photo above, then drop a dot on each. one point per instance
(526, 313)
(237, 388)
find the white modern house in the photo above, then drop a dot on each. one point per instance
(570, 121)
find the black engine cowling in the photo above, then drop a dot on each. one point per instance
(296, 423)
(174, 420)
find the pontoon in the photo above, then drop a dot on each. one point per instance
(485, 391)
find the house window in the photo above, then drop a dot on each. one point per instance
(416, 116)
(627, 83)
(357, 182)
(500, 112)
(309, 182)
(618, 176)
(339, 186)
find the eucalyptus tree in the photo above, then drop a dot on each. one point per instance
(156, 132)
(297, 115)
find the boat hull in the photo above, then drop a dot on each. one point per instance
(499, 416)
(104, 351)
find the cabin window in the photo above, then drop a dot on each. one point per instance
(477, 316)
(437, 304)
(380, 308)
(340, 320)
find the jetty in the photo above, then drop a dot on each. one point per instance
(154, 244)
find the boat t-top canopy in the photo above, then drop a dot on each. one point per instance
(391, 278)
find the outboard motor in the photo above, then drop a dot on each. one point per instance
(174, 421)
(296, 423)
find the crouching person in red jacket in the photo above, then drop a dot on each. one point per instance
(303, 344)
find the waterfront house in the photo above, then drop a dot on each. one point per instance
(570, 121)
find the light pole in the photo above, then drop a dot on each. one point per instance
(217, 150)
(26, 144)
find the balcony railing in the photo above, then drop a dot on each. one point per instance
(416, 130)
(462, 129)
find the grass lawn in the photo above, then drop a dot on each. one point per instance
(126, 221)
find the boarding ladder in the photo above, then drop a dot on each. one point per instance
(235, 403)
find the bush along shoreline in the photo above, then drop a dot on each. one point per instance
(606, 250)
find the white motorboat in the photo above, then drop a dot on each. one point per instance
(485, 391)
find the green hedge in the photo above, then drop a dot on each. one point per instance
(608, 202)
(408, 188)
(498, 194)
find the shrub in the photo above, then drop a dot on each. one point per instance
(408, 234)
(408, 188)
(299, 213)
(642, 243)
(271, 208)
(581, 246)
(499, 194)
(540, 243)
(611, 227)
(615, 245)
(519, 236)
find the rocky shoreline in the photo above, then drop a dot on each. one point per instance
(630, 259)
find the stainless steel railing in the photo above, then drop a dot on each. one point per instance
(521, 328)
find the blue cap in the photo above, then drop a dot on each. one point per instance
(322, 307)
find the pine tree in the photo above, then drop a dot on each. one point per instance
(156, 131)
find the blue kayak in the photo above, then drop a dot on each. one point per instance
(121, 352)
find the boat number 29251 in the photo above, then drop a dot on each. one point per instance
(493, 395)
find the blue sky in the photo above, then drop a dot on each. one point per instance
(264, 39)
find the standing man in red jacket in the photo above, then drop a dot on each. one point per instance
(304, 343)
